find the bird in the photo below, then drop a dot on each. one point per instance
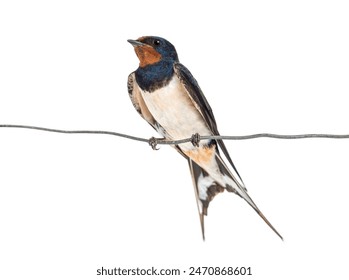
(166, 95)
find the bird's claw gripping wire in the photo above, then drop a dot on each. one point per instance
(195, 139)
(153, 142)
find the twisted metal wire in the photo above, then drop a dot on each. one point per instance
(153, 142)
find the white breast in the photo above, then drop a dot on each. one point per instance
(173, 109)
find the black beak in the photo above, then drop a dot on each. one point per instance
(135, 43)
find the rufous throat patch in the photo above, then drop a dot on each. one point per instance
(147, 55)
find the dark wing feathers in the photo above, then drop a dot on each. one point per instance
(139, 104)
(197, 96)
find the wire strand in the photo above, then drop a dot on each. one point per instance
(75, 131)
(195, 138)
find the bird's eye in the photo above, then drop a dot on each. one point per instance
(156, 42)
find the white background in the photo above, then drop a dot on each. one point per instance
(70, 204)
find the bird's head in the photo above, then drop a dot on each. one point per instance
(151, 50)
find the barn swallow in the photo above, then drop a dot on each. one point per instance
(168, 97)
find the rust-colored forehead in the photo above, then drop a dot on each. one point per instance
(146, 40)
(142, 39)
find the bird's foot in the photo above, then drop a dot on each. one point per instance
(195, 139)
(153, 142)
